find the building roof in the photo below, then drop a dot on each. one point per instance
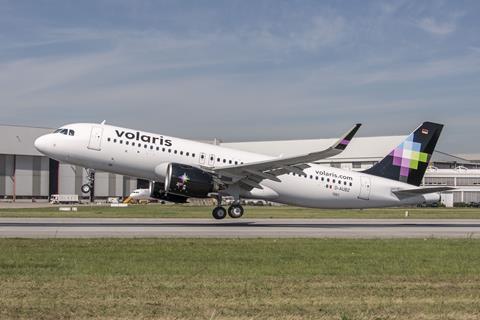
(474, 157)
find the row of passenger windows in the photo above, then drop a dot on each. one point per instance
(169, 150)
(340, 182)
(66, 132)
(219, 160)
(151, 147)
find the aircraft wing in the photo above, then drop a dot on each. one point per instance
(403, 194)
(251, 174)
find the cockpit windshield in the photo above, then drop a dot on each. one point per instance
(66, 132)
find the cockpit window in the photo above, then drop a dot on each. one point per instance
(66, 132)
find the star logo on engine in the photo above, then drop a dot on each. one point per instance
(182, 182)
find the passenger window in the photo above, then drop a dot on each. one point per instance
(121, 141)
(230, 161)
(151, 147)
(193, 155)
(224, 161)
(181, 153)
(108, 139)
(163, 149)
(158, 148)
(187, 154)
(169, 150)
(127, 142)
(175, 151)
(114, 140)
(236, 162)
(218, 159)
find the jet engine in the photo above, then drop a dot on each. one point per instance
(188, 181)
(157, 191)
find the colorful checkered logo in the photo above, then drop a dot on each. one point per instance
(407, 156)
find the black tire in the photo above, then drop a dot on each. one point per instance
(219, 213)
(235, 211)
(86, 188)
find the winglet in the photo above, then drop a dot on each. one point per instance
(343, 142)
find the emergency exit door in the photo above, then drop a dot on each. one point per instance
(365, 188)
(95, 142)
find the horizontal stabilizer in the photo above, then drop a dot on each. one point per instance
(402, 194)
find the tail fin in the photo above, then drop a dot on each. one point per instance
(409, 161)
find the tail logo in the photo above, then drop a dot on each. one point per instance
(408, 155)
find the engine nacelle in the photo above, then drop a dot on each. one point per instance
(157, 191)
(189, 181)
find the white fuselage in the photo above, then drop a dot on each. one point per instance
(137, 154)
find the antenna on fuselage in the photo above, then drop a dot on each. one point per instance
(104, 121)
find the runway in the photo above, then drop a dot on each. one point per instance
(243, 228)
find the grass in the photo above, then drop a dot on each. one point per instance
(239, 279)
(188, 211)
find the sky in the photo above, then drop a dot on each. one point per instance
(244, 70)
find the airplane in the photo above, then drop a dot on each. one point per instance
(180, 169)
(139, 195)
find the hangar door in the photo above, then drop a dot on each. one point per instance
(364, 188)
(96, 138)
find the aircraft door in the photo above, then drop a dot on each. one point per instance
(365, 188)
(96, 135)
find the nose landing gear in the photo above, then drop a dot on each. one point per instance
(89, 187)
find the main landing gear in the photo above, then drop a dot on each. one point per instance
(235, 211)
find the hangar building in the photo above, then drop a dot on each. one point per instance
(27, 175)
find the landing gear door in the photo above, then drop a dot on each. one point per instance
(95, 142)
(365, 188)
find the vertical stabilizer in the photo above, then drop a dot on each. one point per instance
(409, 161)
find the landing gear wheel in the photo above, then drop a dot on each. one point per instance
(86, 188)
(219, 213)
(235, 211)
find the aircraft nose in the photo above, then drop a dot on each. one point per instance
(41, 144)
